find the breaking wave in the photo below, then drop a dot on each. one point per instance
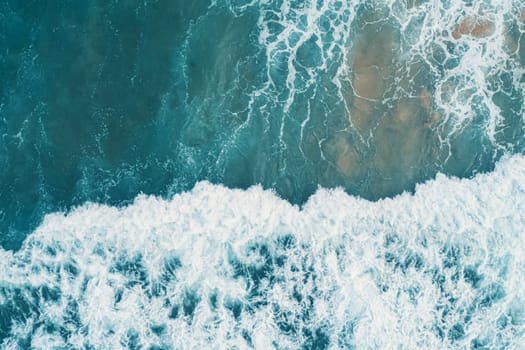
(443, 268)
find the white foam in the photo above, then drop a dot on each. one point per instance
(443, 268)
(461, 91)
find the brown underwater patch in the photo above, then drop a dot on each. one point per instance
(404, 113)
(474, 26)
(425, 99)
(432, 120)
(340, 151)
(371, 66)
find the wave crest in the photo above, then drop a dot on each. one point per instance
(239, 269)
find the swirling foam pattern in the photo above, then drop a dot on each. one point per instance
(234, 269)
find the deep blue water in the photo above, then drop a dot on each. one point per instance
(101, 101)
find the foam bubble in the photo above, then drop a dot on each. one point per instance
(442, 268)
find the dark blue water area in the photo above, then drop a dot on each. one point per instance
(103, 100)
(81, 87)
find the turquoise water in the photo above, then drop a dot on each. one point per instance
(103, 103)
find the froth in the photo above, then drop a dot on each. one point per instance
(241, 269)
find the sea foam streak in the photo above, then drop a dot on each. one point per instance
(443, 268)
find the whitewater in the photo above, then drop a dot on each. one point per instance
(236, 269)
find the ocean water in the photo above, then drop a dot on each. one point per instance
(272, 174)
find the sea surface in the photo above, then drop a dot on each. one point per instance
(264, 174)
